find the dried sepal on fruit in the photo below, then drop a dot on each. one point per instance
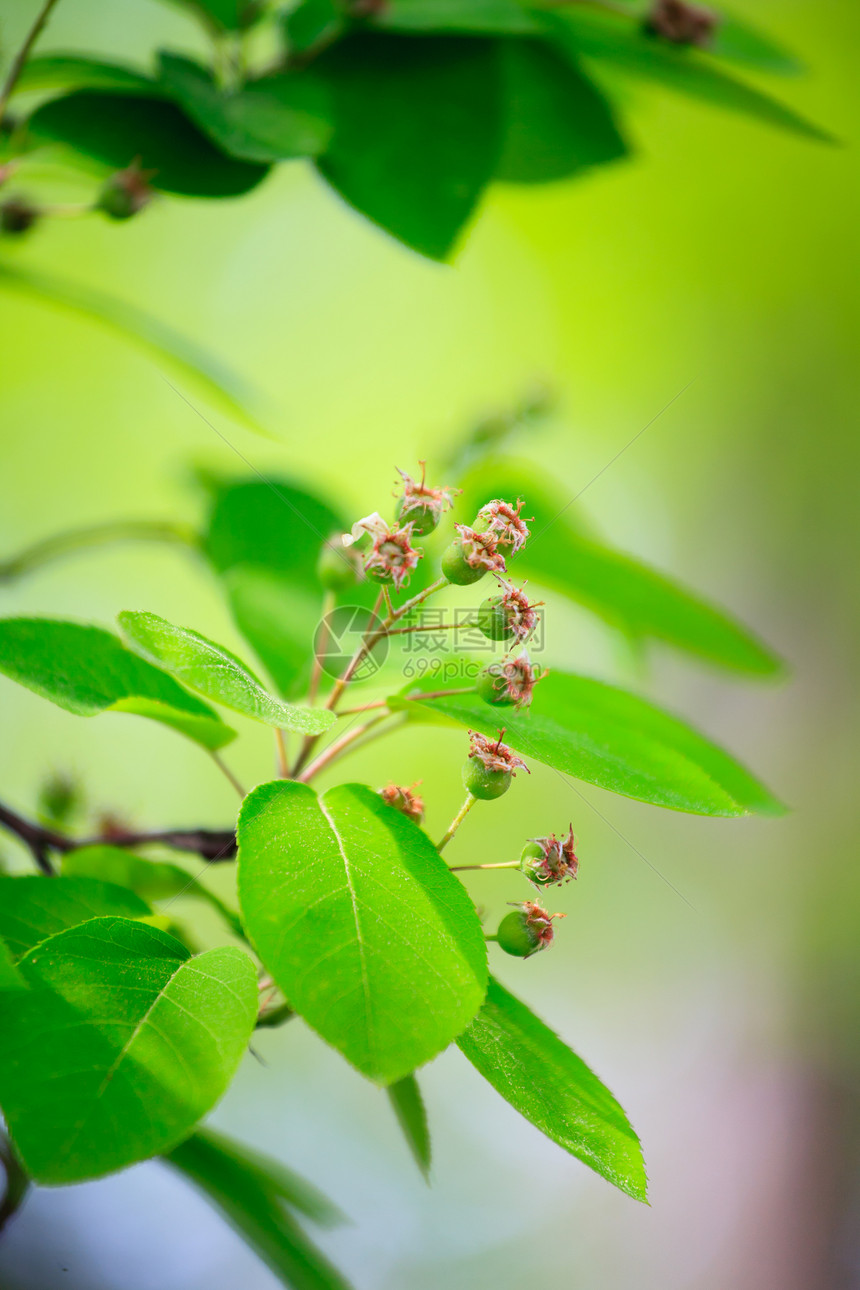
(405, 800)
(423, 506)
(510, 615)
(509, 683)
(471, 555)
(391, 557)
(126, 192)
(526, 930)
(549, 860)
(504, 522)
(490, 767)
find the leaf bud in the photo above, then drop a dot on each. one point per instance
(681, 23)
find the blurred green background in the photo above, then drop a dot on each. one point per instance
(722, 262)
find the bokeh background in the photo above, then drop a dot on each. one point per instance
(708, 970)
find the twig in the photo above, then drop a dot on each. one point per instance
(281, 753)
(335, 749)
(23, 54)
(211, 844)
(227, 773)
(412, 698)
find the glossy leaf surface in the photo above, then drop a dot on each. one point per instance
(360, 923)
(121, 1044)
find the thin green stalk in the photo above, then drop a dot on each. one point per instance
(504, 864)
(457, 820)
(228, 774)
(94, 535)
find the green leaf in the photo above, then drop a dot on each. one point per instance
(547, 1083)
(225, 15)
(417, 132)
(311, 23)
(278, 617)
(115, 129)
(272, 119)
(213, 671)
(10, 978)
(489, 17)
(266, 1173)
(250, 1192)
(86, 671)
(71, 71)
(149, 879)
(612, 38)
(352, 910)
(741, 42)
(617, 741)
(121, 1044)
(183, 356)
(32, 908)
(411, 1115)
(558, 123)
(272, 523)
(621, 590)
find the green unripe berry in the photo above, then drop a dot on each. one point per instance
(457, 569)
(337, 567)
(483, 782)
(516, 937)
(423, 518)
(494, 619)
(492, 687)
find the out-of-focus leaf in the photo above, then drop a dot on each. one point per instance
(10, 977)
(253, 1194)
(117, 129)
(224, 15)
(623, 591)
(149, 879)
(557, 122)
(71, 71)
(181, 355)
(120, 1045)
(490, 17)
(267, 1174)
(313, 22)
(272, 119)
(546, 1082)
(278, 617)
(417, 132)
(215, 672)
(741, 42)
(87, 670)
(411, 1115)
(272, 523)
(353, 912)
(613, 38)
(32, 908)
(617, 741)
